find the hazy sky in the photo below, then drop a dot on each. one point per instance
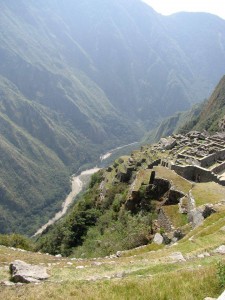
(167, 7)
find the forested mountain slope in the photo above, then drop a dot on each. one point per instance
(80, 77)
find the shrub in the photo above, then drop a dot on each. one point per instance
(16, 241)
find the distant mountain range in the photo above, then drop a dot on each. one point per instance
(80, 77)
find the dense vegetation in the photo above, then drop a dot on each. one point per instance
(98, 228)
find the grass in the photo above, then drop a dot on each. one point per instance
(149, 271)
(189, 284)
(209, 192)
(142, 177)
(179, 183)
(177, 219)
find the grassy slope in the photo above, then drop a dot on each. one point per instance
(146, 274)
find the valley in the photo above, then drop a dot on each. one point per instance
(75, 83)
(112, 151)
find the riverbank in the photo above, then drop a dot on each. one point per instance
(77, 184)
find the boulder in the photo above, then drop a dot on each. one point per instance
(27, 273)
(197, 216)
(177, 256)
(220, 249)
(118, 253)
(158, 239)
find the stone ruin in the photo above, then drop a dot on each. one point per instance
(196, 156)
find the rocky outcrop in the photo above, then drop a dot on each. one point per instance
(197, 215)
(26, 273)
(168, 143)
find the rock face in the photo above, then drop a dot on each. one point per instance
(26, 273)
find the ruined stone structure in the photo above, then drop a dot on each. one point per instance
(222, 124)
(196, 156)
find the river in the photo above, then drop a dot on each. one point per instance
(77, 183)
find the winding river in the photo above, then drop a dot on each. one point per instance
(77, 183)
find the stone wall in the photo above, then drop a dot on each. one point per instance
(164, 221)
(154, 163)
(219, 168)
(211, 159)
(195, 173)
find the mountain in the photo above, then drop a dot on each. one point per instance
(208, 115)
(81, 77)
(211, 115)
(173, 124)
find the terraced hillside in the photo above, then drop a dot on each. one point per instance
(156, 195)
(185, 269)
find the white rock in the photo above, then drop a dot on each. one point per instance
(118, 253)
(97, 263)
(80, 267)
(200, 256)
(223, 228)
(177, 256)
(158, 239)
(7, 283)
(58, 255)
(222, 296)
(220, 249)
(26, 273)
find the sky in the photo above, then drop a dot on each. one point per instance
(167, 7)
